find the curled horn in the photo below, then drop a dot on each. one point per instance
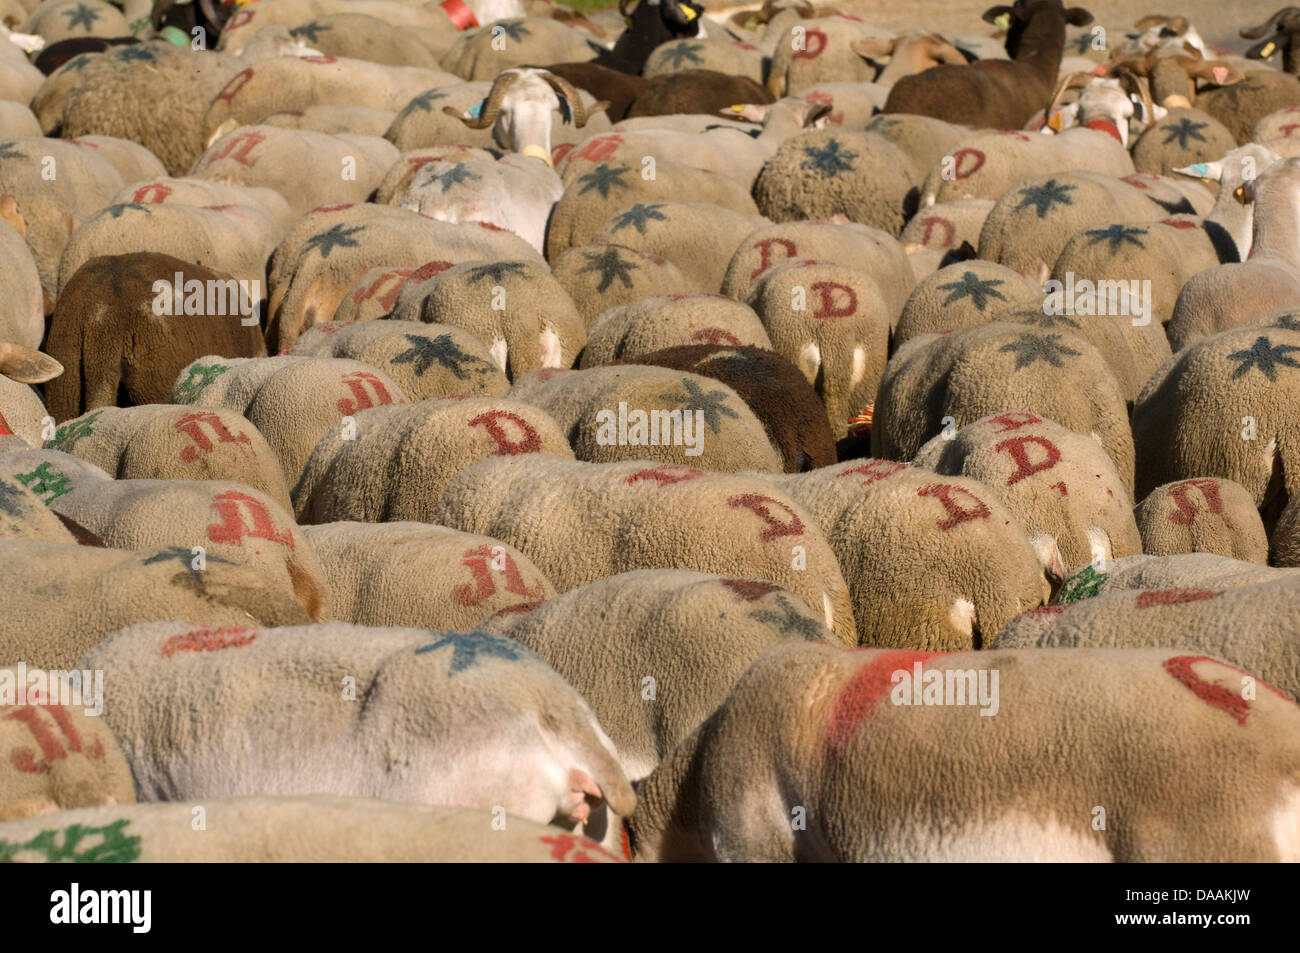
(1067, 82)
(569, 92)
(491, 108)
(1129, 82)
(1255, 32)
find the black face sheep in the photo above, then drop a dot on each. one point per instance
(999, 94)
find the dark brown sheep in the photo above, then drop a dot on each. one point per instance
(614, 87)
(1280, 31)
(697, 91)
(117, 350)
(775, 390)
(998, 94)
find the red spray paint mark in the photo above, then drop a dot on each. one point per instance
(239, 19)
(1179, 223)
(5, 429)
(750, 589)
(230, 507)
(765, 253)
(239, 82)
(152, 194)
(330, 208)
(947, 493)
(600, 148)
(1013, 420)
(960, 169)
(715, 336)
(572, 849)
(52, 749)
(209, 640)
(873, 470)
(1018, 448)
(192, 426)
(1174, 597)
(811, 50)
(863, 691)
(318, 59)
(1064, 490)
(836, 300)
(389, 298)
(484, 585)
(761, 507)
(357, 382)
(938, 221)
(1180, 667)
(531, 441)
(239, 147)
(1011, 132)
(1187, 510)
(666, 474)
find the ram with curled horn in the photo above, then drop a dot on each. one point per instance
(518, 110)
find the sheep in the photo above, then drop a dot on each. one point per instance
(400, 174)
(698, 239)
(518, 311)
(643, 412)
(61, 754)
(851, 104)
(1227, 296)
(51, 209)
(51, 628)
(23, 514)
(1282, 124)
(1031, 223)
(806, 727)
(425, 360)
(1221, 407)
(119, 344)
(1224, 622)
(947, 225)
(17, 121)
(1181, 571)
(1059, 484)
(975, 372)
(592, 197)
(248, 22)
(820, 49)
(963, 295)
(379, 575)
(853, 246)
(630, 644)
(481, 721)
(22, 300)
(360, 36)
(1183, 137)
(649, 25)
(773, 388)
(326, 252)
(995, 93)
(987, 165)
(1281, 30)
(312, 829)
(832, 323)
(352, 473)
(1202, 515)
(1242, 105)
(823, 173)
(693, 91)
(293, 401)
(925, 583)
(334, 119)
(729, 57)
(599, 277)
(666, 321)
(519, 106)
(723, 523)
(23, 417)
(236, 239)
(162, 190)
(68, 18)
(507, 44)
(1230, 222)
(276, 158)
(907, 55)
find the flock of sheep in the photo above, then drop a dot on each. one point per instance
(479, 430)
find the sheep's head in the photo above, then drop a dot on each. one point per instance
(1277, 186)
(1163, 35)
(1016, 19)
(518, 110)
(680, 17)
(1174, 73)
(1117, 99)
(1282, 30)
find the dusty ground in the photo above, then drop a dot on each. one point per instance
(1217, 20)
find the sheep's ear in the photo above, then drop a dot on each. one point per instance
(27, 366)
(1049, 555)
(874, 47)
(753, 112)
(992, 14)
(1203, 170)
(1245, 193)
(1158, 112)
(1078, 16)
(1265, 48)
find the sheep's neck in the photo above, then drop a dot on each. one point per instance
(1277, 232)
(1235, 219)
(1042, 45)
(1291, 55)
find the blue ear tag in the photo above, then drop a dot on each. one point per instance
(1199, 168)
(476, 110)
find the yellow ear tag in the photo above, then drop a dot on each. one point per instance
(1055, 122)
(690, 14)
(1240, 193)
(1268, 51)
(1002, 22)
(737, 109)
